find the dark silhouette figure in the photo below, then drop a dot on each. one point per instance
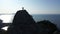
(1, 24)
(23, 23)
(22, 17)
(46, 27)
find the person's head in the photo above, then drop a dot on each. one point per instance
(48, 25)
(23, 23)
(22, 17)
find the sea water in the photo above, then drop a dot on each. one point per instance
(54, 18)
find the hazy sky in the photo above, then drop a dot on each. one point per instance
(32, 6)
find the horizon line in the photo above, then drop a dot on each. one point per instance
(14, 13)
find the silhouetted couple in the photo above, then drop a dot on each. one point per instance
(23, 23)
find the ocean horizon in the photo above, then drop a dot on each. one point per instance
(54, 18)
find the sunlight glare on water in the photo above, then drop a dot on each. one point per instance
(5, 28)
(6, 18)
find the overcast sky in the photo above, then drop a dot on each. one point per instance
(32, 6)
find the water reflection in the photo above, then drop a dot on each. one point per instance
(6, 18)
(5, 28)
